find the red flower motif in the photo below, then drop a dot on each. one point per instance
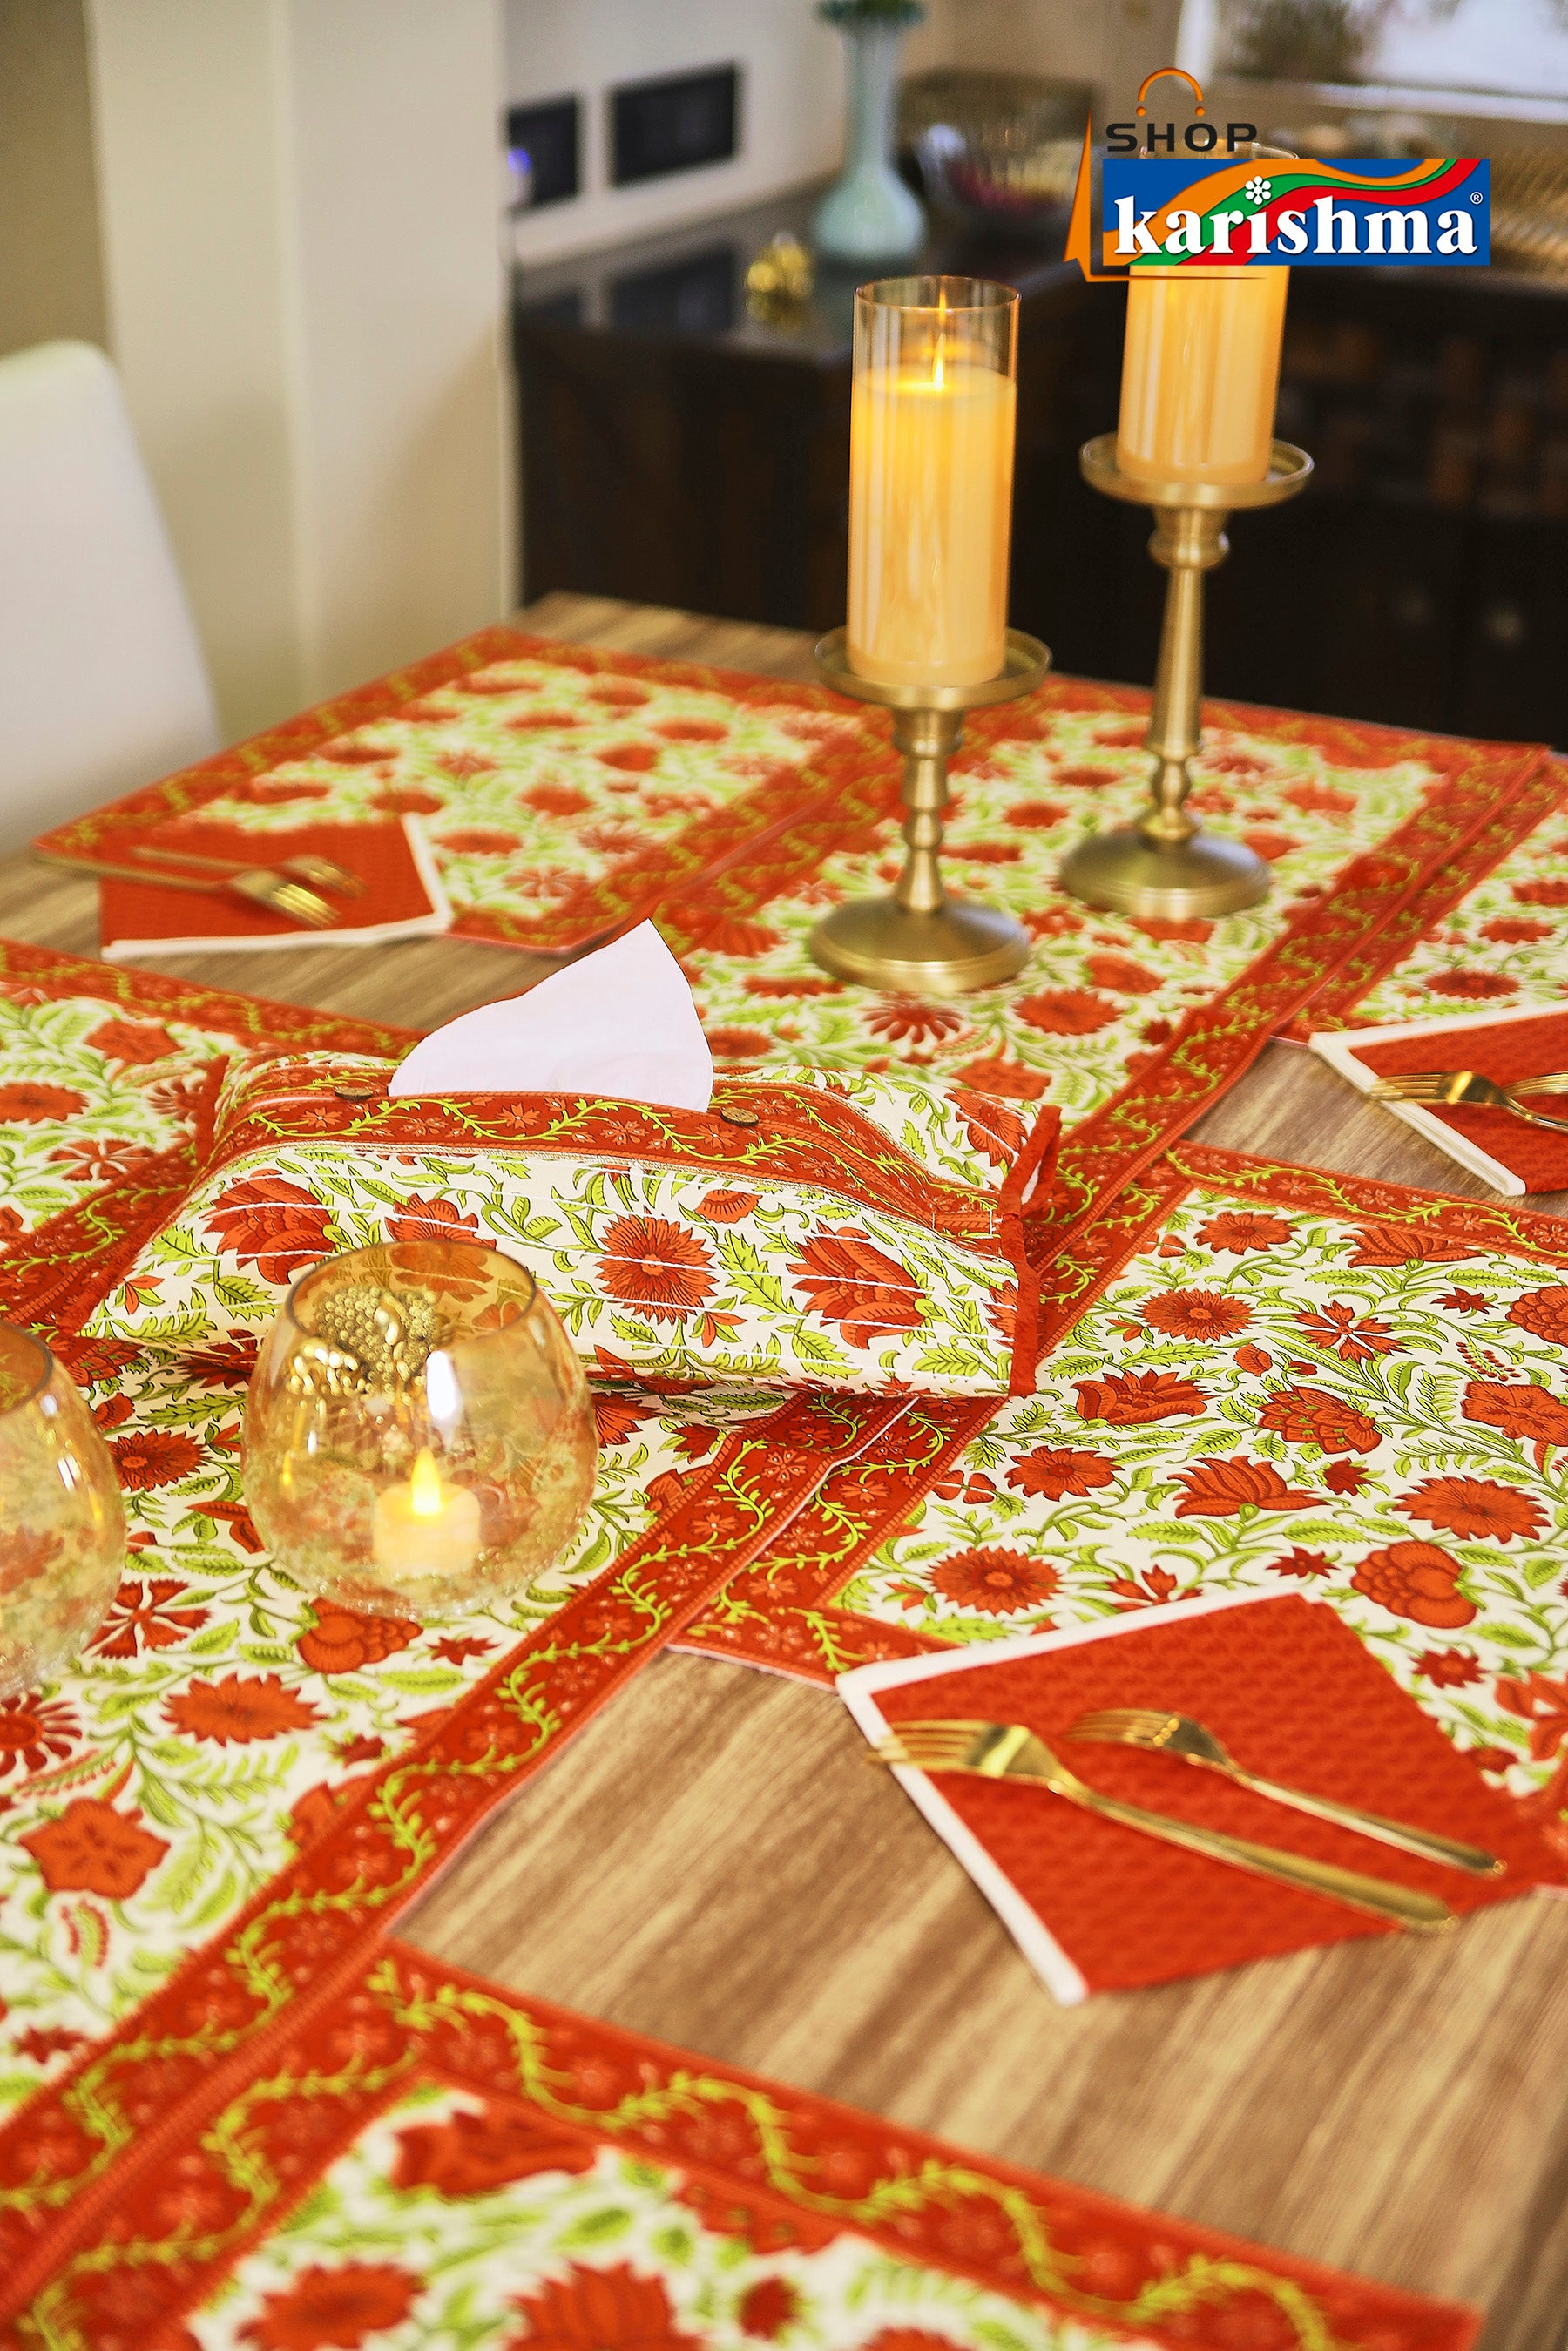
(1506, 934)
(631, 759)
(24, 1555)
(430, 1220)
(1448, 1668)
(341, 1640)
(1473, 1506)
(1054, 1470)
(553, 800)
(997, 1583)
(133, 1041)
(144, 1617)
(333, 2310)
(88, 1360)
(363, 1749)
(1541, 893)
(995, 1074)
(901, 1017)
(275, 1226)
(34, 1733)
(848, 1282)
(1406, 1245)
(1121, 973)
(1319, 800)
(1473, 986)
(234, 1712)
(691, 730)
(457, 1653)
(1337, 1329)
(768, 2308)
(1344, 1477)
(731, 935)
(468, 2154)
(1526, 1412)
(27, 1103)
(1253, 1359)
(1543, 1312)
(1305, 1416)
(909, 2338)
(223, 1365)
(41, 2043)
(616, 1419)
(1196, 1314)
(1066, 1012)
(1036, 816)
(1301, 1563)
(154, 1456)
(655, 1265)
(1129, 1399)
(728, 1206)
(1463, 1302)
(100, 1160)
(479, 840)
(600, 2310)
(777, 990)
(1240, 1230)
(93, 1849)
(1218, 1489)
(1541, 1703)
(737, 1044)
(1418, 1582)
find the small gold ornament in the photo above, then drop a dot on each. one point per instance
(781, 279)
(368, 1338)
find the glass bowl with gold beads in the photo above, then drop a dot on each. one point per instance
(418, 1435)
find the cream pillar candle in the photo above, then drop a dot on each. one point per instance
(1200, 374)
(932, 425)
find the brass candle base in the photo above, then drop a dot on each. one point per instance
(920, 942)
(1167, 864)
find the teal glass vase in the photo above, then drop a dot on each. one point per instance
(868, 215)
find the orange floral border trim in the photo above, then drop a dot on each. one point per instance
(795, 2172)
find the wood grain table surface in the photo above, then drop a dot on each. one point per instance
(710, 1863)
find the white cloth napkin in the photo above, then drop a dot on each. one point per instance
(619, 1023)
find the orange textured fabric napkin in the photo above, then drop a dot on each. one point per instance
(1503, 1150)
(402, 896)
(1291, 1692)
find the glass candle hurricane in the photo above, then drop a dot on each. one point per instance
(1200, 374)
(62, 1526)
(418, 1435)
(933, 418)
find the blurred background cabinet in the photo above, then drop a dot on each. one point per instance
(678, 449)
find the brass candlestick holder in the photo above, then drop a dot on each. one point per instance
(920, 942)
(1167, 863)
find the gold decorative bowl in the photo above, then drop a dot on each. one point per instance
(418, 1435)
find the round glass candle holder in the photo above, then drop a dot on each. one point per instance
(933, 418)
(62, 1524)
(419, 1440)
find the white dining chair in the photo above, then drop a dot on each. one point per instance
(102, 682)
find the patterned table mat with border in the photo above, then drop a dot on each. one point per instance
(425, 2157)
(564, 790)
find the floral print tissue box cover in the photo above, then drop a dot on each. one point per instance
(863, 1232)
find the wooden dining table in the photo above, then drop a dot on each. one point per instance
(1395, 2107)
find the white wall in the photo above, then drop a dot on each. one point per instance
(791, 101)
(298, 202)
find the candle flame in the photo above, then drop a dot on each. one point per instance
(424, 1487)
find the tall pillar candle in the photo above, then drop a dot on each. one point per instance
(932, 426)
(1200, 374)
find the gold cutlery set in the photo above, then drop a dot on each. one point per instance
(1443, 1088)
(1009, 1750)
(292, 886)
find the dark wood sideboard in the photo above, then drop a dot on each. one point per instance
(678, 450)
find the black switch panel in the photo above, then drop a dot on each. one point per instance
(673, 125)
(542, 143)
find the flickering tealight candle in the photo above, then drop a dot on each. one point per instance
(426, 1527)
(1200, 374)
(933, 418)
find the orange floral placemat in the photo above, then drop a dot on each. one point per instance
(428, 2157)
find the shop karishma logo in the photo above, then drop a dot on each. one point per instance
(1252, 207)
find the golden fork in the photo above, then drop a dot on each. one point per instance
(1177, 1734)
(1448, 1087)
(306, 866)
(263, 885)
(1008, 1750)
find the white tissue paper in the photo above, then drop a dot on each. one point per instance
(619, 1023)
